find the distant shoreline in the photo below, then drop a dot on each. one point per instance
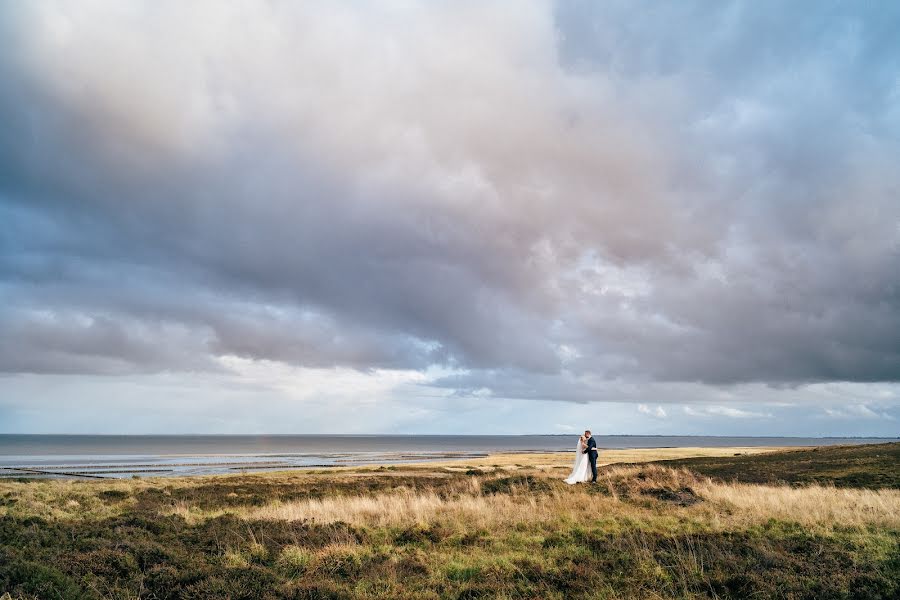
(169, 466)
(441, 435)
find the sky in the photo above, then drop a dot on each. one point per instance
(450, 217)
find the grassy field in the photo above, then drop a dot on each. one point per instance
(819, 523)
(845, 466)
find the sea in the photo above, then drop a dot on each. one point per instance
(118, 456)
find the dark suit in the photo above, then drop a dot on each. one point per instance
(591, 450)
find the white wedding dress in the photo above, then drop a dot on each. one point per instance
(582, 470)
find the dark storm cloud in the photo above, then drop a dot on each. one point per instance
(549, 197)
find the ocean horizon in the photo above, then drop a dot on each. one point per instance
(117, 456)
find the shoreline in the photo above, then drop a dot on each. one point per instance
(550, 461)
(406, 462)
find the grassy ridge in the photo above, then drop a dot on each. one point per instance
(867, 465)
(647, 531)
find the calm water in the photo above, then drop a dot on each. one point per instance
(161, 455)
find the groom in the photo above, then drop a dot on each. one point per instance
(591, 450)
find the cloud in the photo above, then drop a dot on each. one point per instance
(658, 412)
(725, 411)
(546, 201)
(562, 427)
(855, 411)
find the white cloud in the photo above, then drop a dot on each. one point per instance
(725, 411)
(658, 412)
(855, 411)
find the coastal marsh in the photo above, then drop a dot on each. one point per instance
(501, 527)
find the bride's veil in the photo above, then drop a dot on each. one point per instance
(579, 455)
(578, 467)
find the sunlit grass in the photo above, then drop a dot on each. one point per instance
(809, 505)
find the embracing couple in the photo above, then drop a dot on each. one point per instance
(585, 468)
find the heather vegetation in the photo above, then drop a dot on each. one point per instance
(699, 528)
(869, 466)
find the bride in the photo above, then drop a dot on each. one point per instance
(582, 470)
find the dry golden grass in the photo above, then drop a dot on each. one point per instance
(461, 500)
(192, 514)
(807, 505)
(412, 508)
(722, 504)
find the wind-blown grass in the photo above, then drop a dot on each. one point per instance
(808, 505)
